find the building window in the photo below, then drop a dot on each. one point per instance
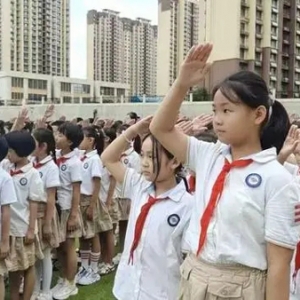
(37, 84)
(81, 88)
(17, 82)
(37, 97)
(17, 96)
(65, 87)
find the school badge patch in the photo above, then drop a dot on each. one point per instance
(63, 167)
(253, 180)
(173, 220)
(41, 174)
(86, 165)
(23, 181)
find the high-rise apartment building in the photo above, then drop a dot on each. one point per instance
(122, 50)
(35, 36)
(178, 31)
(257, 35)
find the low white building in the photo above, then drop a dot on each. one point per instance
(36, 88)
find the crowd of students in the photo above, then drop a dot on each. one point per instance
(204, 208)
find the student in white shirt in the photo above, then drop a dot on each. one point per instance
(7, 197)
(130, 159)
(68, 197)
(25, 246)
(245, 202)
(160, 212)
(47, 215)
(105, 225)
(92, 146)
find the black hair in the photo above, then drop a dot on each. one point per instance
(57, 123)
(78, 119)
(72, 132)
(3, 148)
(110, 133)
(156, 160)
(49, 127)
(46, 136)
(97, 134)
(249, 88)
(117, 124)
(133, 116)
(22, 142)
(29, 126)
(2, 127)
(137, 142)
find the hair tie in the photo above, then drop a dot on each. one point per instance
(272, 101)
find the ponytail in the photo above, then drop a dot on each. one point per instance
(275, 131)
(97, 134)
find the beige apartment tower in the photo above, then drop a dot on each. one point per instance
(35, 36)
(122, 50)
(257, 35)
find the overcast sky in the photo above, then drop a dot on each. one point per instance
(127, 8)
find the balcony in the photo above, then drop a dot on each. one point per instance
(244, 32)
(285, 67)
(259, 7)
(286, 15)
(287, 29)
(244, 3)
(287, 3)
(285, 79)
(244, 46)
(286, 42)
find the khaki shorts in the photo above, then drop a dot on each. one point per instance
(104, 222)
(114, 211)
(124, 208)
(203, 281)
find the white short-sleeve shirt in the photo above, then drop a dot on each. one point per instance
(7, 192)
(257, 206)
(91, 167)
(130, 159)
(48, 171)
(69, 173)
(28, 187)
(154, 273)
(105, 183)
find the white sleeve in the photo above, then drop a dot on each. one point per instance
(36, 189)
(96, 168)
(281, 225)
(7, 191)
(291, 168)
(197, 151)
(75, 172)
(132, 181)
(52, 179)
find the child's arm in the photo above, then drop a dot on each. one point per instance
(51, 192)
(5, 226)
(111, 156)
(111, 190)
(73, 217)
(95, 197)
(33, 208)
(192, 72)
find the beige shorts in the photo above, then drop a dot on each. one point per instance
(54, 241)
(63, 226)
(90, 227)
(203, 281)
(124, 208)
(104, 222)
(23, 256)
(114, 211)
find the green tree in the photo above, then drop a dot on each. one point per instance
(201, 94)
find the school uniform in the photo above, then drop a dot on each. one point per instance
(49, 174)
(7, 197)
(69, 166)
(90, 168)
(104, 221)
(151, 271)
(28, 187)
(249, 213)
(130, 159)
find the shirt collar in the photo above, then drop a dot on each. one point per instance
(45, 160)
(91, 153)
(261, 157)
(175, 194)
(69, 155)
(27, 167)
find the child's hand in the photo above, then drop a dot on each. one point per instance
(142, 126)
(4, 250)
(90, 212)
(73, 223)
(200, 123)
(290, 144)
(195, 66)
(47, 231)
(185, 127)
(29, 238)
